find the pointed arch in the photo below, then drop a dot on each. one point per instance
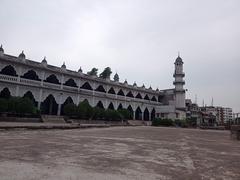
(138, 114)
(111, 106)
(153, 98)
(9, 70)
(87, 86)
(130, 94)
(86, 101)
(52, 79)
(69, 100)
(32, 75)
(146, 114)
(5, 93)
(70, 82)
(111, 91)
(146, 97)
(30, 96)
(139, 96)
(130, 109)
(100, 88)
(120, 106)
(160, 98)
(100, 105)
(120, 93)
(49, 105)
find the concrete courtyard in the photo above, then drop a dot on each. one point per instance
(118, 153)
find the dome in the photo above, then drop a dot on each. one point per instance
(1, 49)
(179, 60)
(150, 88)
(143, 86)
(22, 55)
(125, 82)
(134, 84)
(157, 89)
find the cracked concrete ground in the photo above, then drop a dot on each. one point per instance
(119, 153)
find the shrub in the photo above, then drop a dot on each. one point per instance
(125, 114)
(162, 122)
(84, 110)
(25, 106)
(99, 113)
(70, 109)
(112, 115)
(3, 105)
(12, 103)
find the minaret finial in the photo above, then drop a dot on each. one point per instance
(178, 54)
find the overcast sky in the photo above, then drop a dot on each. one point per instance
(139, 39)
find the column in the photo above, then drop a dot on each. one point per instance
(40, 99)
(62, 81)
(39, 105)
(59, 110)
(142, 116)
(59, 104)
(134, 115)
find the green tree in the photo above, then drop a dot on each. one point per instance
(84, 110)
(125, 114)
(70, 109)
(106, 73)
(25, 106)
(3, 105)
(12, 103)
(99, 113)
(162, 122)
(93, 72)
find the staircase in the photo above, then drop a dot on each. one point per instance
(53, 119)
(136, 123)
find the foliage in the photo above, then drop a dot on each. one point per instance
(3, 105)
(25, 106)
(125, 114)
(112, 115)
(84, 110)
(180, 123)
(106, 73)
(18, 105)
(93, 72)
(162, 122)
(70, 109)
(99, 113)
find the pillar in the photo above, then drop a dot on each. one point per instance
(39, 105)
(142, 114)
(59, 110)
(134, 115)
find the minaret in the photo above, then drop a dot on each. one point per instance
(179, 83)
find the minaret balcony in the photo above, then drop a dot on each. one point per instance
(178, 82)
(182, 74)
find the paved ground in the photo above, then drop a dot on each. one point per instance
(118, 153)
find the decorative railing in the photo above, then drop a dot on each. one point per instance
(70, 88)
(7, 78)
(28, 81)
(51, 85)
